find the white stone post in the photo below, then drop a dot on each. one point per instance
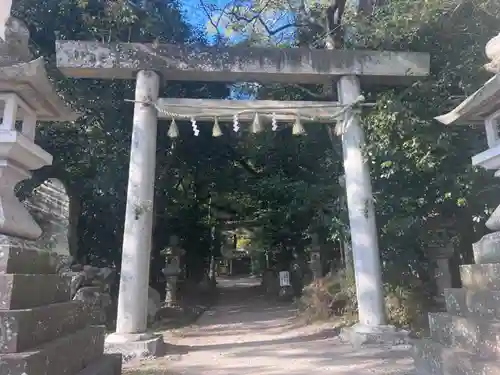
(365, 252)
(134, 278)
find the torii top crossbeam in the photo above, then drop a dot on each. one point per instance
(236, 64)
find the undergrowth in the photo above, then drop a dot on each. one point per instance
(334, 296)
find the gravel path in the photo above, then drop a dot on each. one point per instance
(246, 335)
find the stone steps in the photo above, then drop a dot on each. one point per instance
(67, 355)
(432, 358)
(22, 291)
(473, 334)
(26, 330)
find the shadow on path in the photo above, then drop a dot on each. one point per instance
(245, 334)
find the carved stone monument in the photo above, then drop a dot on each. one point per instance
(41, 331)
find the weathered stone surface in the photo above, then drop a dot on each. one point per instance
(96, 302)
(492, 50)
(487, 249)
(14, 45)
(493, 223)
(483, 303)
(108, 364)
(49, 206)
(154, 304)
(231, 64)
(359, 335)
(14, 259)
(135, 345)
(65, 356)
(433, 358)
(473, 334)
(480, 276)
(19, 155)
(455, 299)
(26, 291)
(473, 110)
(21, 330)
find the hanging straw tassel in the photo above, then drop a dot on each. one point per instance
(173, 131)
(298, 129)
(196, 131)
(256, 125)
(274, 122)
(216, 130)
(236, 123)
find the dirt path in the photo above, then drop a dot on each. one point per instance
(246, 335)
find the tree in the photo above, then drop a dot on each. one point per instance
(419, 168)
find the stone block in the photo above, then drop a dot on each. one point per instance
(473, 334)
(108, 364)
(236, 64)
(65, 356)
(455, 301)
(481, 303)
(27, 291)
(433, 358)
(481, 276)
(360, 335)
(14, 259)
(487, 249)
(29, 328)
(135, 345)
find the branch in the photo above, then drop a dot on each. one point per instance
(257, 17)
(214, 24)
(310, 92)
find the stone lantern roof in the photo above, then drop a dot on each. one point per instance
(27, 77)
(483, 107)
(485, 101)
(474, 109)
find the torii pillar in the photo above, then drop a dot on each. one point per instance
(132, 315)
(372, 326)
(235, 64)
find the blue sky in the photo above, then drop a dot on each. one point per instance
(195, 15)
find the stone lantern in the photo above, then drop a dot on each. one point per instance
(315, 262)
(172, 270)
(471, 311)
(41, 330)
(440, 250)
(483, 108)
(26, 97)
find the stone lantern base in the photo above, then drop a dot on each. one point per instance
(141, 345)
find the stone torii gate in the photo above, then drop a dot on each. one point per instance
(147, 62)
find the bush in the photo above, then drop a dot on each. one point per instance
(335, 295)
(329, 296)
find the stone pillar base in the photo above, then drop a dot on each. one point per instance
(139, 345)
(360, 335)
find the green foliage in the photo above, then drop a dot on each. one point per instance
(335, 296)
(287, 185)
